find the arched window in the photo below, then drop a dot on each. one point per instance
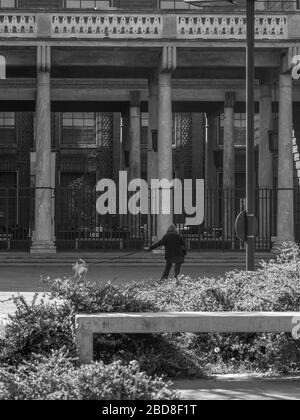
(2, 67)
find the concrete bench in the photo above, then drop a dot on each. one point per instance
(176, 322)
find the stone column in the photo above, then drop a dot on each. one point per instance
(43, 241)
(228, 154)
(211, 196)
(229, 168)
(211, 145)
(135, 135)
(198, 147)
(265, 165)
(153, 127)
(165, 129)
(134, 222)
(152, 156)
(285, 209)
(116, 145)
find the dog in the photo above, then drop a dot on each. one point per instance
(81, 269)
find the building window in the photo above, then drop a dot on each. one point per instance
(7, 120)
(8, 129)
(281, 5)
(240, 124)
(176, 4)
(88, 4)
(78, 128)
(8, 4)
(298, 5)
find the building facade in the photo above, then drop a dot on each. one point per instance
(156, 88)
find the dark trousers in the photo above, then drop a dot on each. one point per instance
(169, 264)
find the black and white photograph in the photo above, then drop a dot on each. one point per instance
(149, 203)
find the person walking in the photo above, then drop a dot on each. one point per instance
(175, 251)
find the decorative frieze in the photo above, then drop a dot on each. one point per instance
(110, 26)
(18, 25)
(230, 27)
(144, 26)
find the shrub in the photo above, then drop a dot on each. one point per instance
(120, 382)
(56, 378)
(42, 327)
(38, 327)
(90, 298)
(156, 354)
(274, 287)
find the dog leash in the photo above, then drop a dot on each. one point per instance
(113, 259)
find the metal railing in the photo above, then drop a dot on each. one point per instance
(222, 206)
(78, 226)
(16, 218)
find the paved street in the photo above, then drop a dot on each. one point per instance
(27, 279)
(241, 387)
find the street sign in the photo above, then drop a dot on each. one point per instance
(241, 226)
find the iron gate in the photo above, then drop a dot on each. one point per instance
(78, 226)
(222, 206)
(16, 218)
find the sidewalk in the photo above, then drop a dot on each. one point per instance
(128, 259)
(27, 278)
(241, 387)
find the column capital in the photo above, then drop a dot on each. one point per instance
(135, 98)
(230, 98)
(168, 62)
(43, 58)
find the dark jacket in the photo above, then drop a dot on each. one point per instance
(174, 246)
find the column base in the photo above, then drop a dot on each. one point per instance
(43, 248)
(277, 245)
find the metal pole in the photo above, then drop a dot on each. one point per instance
(250, 170)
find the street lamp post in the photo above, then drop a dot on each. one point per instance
(250, 169)
(251, 221)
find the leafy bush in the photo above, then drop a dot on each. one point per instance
(90, 298)
(42, 327)
(274, 287)
(56, 378)
(37, 328)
